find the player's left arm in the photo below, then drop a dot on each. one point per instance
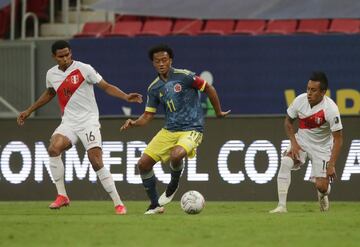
(335, 151)
(214, 99)
(118, 93)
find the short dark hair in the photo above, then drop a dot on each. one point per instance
(159, 48)
(58, 45)
(320, 77)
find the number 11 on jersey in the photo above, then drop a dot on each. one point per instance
(171, 105)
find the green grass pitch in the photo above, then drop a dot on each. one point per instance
(90, 223)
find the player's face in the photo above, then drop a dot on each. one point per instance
(314, 93)
(63, 57)
(162, 62)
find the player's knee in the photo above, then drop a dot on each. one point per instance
(287, 163)
(53, 152)
(176, 156)
(143, 166)
(176, 161)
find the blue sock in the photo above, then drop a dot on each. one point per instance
(150, 188)
(174, 182)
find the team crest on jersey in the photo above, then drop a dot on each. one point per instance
(318, 120)
(75, 79)
(177, 88)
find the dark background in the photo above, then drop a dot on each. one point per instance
(217, 133)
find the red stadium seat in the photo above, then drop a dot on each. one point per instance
(157, 27)
(125, 28)
(128, 18)
(4, 21)
(94, 29)
(313, 26)
(349, 26)
(253, 27)
(187, 27)
(281, 27)
(40, 8)
(221, 27)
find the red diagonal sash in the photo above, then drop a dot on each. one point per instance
(313, 121)
(68, 87)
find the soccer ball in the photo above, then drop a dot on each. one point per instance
(192, 202)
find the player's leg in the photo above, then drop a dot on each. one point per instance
(177, 154)
(283, 183)
(157, 150)
(284, 178)
(145, 166)
(322, 182)
(91, 139)
(186, 145)
(62, 139)
(323, 190)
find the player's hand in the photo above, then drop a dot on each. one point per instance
(134, 97)
(127, 125)
(22, 116)
(223, 114)
(295, 151)
(330, 171)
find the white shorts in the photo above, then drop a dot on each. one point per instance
(318, 160)
(89, 135)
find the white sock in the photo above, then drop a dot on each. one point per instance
(284, 179)
(57, 172)
(108, 183)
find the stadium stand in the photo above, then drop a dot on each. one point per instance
(220, 27)
(253, 27)
(94, 29)
(281, 27)
(127, 28)
(157, 27)
(313, 26)
(349, 26)
(187, 27)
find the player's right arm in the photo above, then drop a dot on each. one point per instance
(144, 119)
(45, 97)
(290, 132)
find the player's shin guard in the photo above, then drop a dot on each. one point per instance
(284, 179)
(149, 182)
(175, 177)
(57, 172)
(108, 183)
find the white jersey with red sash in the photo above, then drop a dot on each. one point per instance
(75, 92)
(316, 124)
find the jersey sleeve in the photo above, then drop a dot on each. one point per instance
(292, 110)
(92, 76)
(333, 117)
(193, 81)
(48, 84)
(152, 102)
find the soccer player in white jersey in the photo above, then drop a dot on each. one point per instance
(73, 82)
(319, 138)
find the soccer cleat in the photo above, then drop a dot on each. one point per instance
(324, 202)
(165, 198)
(278, 209)
(120, 209)
(61, 201)
(157, 209)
